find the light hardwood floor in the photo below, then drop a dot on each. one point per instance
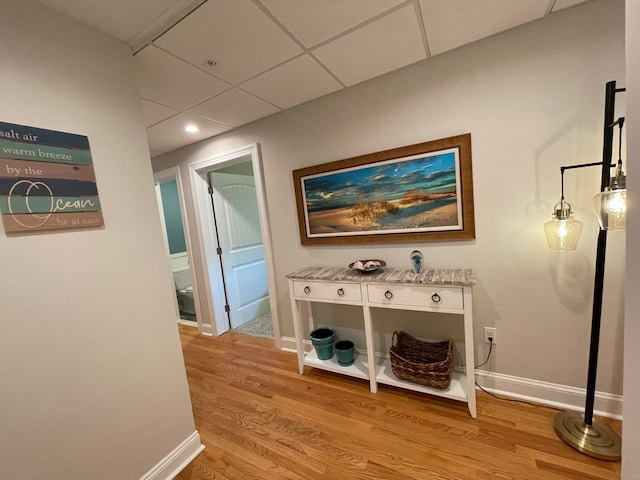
(260, 419)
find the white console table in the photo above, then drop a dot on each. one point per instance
(435, 290)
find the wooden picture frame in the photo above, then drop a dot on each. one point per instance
(416, 193)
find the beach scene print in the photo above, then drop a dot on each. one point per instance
(419, 193)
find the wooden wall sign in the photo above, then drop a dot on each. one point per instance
(47, 180)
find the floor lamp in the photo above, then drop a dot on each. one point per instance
(583, 432)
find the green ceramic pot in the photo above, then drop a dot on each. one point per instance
(323, 340)
(345, 352)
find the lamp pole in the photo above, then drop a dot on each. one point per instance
(598, 287)
(584, 434)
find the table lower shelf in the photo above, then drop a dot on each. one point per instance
(456, 391)
(384, 375)
(359, 369)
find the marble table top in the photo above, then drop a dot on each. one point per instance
(432, 276)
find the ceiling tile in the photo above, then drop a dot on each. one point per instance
(170, 134)
(562, 4)
(122, 19)
(317, 21)
(167, 80)
(293, 83)
(164, 143)
(154, 112)
(454, 23)
(389, 43)
(234, 107)
(236, 34)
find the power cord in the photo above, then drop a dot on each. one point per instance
(514, 400)
(488, 355)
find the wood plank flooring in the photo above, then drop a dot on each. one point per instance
(260, 419)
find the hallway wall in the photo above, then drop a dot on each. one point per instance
(532, 99)
(631, 424)
(93, 379)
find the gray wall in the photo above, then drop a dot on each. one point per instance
(532, 98)
(631, 424)
(93, 379)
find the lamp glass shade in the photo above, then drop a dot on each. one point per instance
(611, 208)
(563, 234)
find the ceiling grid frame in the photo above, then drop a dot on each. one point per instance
(296, 77)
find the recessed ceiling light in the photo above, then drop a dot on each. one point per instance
(191, 128)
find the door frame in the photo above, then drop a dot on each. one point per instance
(168, 174)
(211, 294)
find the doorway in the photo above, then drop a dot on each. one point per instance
(239, 278)
(171, 207)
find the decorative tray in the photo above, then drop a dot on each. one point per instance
(368, 265)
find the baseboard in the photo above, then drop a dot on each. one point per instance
(552, 394)
(545, 393)
(288, 344)
(174, 463)
(207, 329)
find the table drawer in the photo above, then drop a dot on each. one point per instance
(327, 291)
(431, 296)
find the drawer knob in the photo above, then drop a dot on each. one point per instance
(436, 298)
(388, 294)
(307, 290)
(340, 292)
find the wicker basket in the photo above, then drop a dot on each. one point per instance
(426, 363)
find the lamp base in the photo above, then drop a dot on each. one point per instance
(597, 440)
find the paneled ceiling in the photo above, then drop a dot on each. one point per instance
(220, 64)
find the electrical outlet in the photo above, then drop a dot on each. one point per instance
(490, 332)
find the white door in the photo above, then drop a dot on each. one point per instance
(240, 238)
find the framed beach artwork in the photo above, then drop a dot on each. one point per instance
(417, 193)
